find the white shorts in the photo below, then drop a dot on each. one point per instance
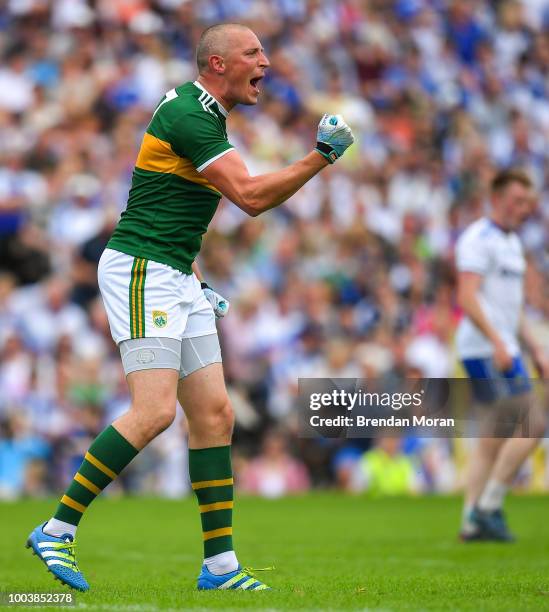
(147, 299)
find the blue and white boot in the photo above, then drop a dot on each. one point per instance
(242, 579)
(59, 556)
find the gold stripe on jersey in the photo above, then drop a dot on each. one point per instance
(156, 155)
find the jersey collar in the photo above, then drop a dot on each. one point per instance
(220, 106)
(507, 232)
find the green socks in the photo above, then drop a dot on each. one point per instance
(212, 480)
(108, 455)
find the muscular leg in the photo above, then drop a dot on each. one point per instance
(152, 409)
(204, 399)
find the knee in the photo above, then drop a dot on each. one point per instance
(227, 417)
(155, 419)
(222, 416)
(219, 417)
(164, 418)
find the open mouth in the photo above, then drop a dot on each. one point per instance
(254, 83)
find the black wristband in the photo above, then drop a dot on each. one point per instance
(327, 151)
(204, 285)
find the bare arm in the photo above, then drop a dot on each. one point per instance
(197, 271)
(256, 194)
(219, 304)
(468, 287)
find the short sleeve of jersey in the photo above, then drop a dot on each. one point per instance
(199, 136)
(472, 253)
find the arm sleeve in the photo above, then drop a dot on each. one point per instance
(199, 136)
(472, 254)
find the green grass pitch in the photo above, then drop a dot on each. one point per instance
(330, 552)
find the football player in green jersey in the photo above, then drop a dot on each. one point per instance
(160, 314)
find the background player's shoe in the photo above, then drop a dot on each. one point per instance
(242, 579)
(59, 557)
(473, 530)
(494, 526)
(487, 526)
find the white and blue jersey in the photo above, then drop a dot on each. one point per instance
(486, 249)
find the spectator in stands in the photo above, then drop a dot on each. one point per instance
(274, 472)
(385, 470)
(353, 274)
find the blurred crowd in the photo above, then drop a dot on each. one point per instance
(353, 277)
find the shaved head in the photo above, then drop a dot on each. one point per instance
(216, 40)
(231, 62)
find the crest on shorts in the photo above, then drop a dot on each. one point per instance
(160, 318)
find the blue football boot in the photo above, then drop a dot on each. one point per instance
(242, 579)
(59, 556)
(487, 526)
(494, 526)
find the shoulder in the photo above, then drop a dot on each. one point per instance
(184, 119)
(187, 101)
(184, 106)
(476, 233)
(473, 248)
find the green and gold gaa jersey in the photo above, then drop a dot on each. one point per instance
(170, 203)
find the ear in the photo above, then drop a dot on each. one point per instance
(217, 64)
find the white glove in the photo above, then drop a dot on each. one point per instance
(219, 304)
(333, 137)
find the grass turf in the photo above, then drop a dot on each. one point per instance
(330, 552)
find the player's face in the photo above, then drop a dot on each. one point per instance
(515, 205)
(245, 64)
